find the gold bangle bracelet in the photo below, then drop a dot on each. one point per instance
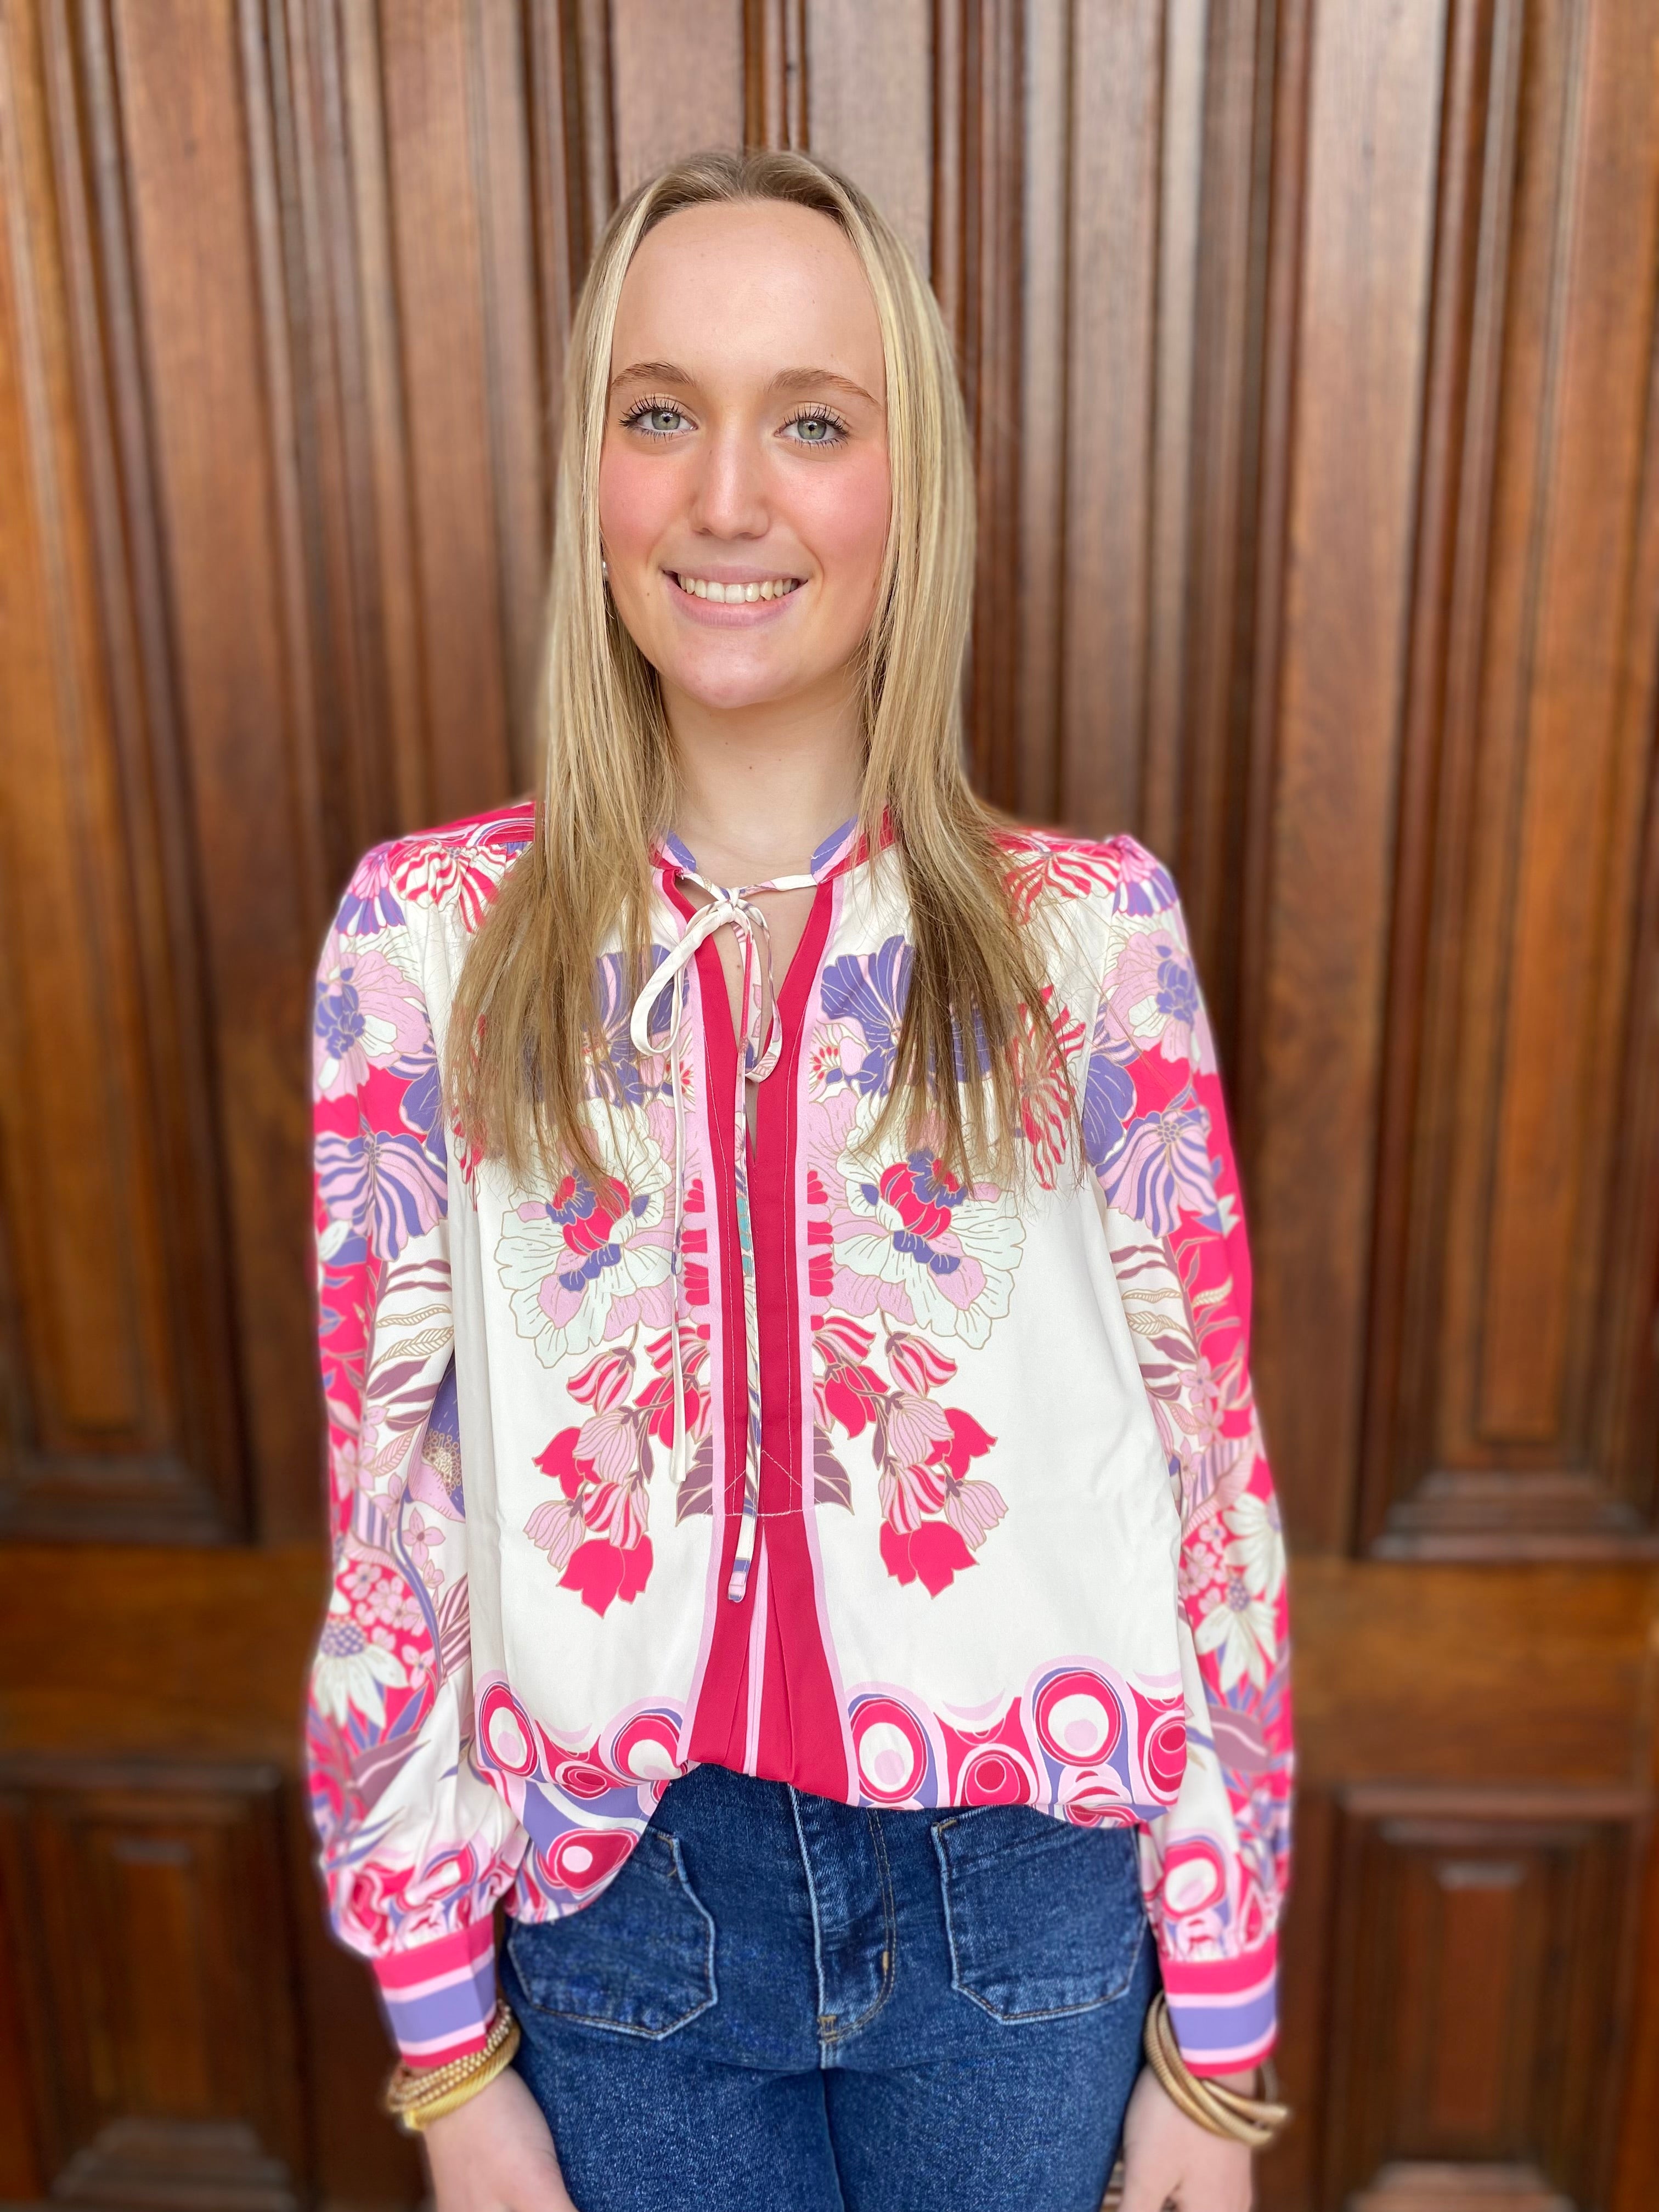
(418, 2118)
(412, 2085)
(419, 2085)
(1254, 2121)
(415, 2095)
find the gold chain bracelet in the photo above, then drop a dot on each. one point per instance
(1254, 2121)
(417, 2095)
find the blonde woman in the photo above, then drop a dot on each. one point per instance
(802, 1540)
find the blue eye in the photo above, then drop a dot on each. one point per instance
(816, 427)
(657, 418)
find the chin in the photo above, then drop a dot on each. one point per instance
(726, 689)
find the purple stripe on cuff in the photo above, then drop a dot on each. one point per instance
(1224, 2034)
(439, 2002)
(447, 2012)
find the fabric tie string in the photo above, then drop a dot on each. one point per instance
(760, 1041)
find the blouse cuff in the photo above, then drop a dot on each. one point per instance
(1224, 2011)
(440, 1997)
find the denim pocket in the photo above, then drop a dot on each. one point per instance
(1043, 1918)
(639, 1960)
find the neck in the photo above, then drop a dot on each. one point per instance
(758, 788)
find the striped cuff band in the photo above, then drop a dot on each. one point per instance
(1224, 2011)
(440, 1996)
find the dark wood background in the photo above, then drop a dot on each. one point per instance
(1311, 350)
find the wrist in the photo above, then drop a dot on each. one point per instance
(418, 2096)
(1208, 2099)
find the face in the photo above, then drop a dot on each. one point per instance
(744, 487)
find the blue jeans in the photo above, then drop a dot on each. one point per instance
(790, 2005)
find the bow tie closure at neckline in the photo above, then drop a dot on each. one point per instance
(759, 1044)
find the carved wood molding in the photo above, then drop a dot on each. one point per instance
(126, 1418)
(1424, 2186)
(1479, 1994)
(148, 1904)
(1509, 1374)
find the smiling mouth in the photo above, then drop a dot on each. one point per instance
(727, 595)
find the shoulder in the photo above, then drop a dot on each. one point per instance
(1111, 876)
(454, 870)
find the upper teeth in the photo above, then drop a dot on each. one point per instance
(775, 587)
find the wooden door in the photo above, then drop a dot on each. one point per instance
(1309, 346)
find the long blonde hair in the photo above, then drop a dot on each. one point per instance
(525, 1029)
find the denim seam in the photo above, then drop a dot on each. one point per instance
(1017, 2019)
(813, 1900)
(890, 1933)
(627, 2028)
(828, 2044)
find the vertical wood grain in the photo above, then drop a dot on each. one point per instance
(522, 396)
(1478, 165)
(1037, 611)
(186, 166)
(1208, 835)
(978, 207)
(1115, 69)
(1308, 350)
(676, 82)
(1315, 1024)
(20, 2174)
(367, 314)
(1578, 829)
(1507, 1365)
(426, 76)
(870, 106)
(560, 213)
(120, 1412)
(1179, 199)
(774, 73)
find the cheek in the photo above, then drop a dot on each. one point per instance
(847, 526)
(636, 499)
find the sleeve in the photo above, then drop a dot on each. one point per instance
(415, 1845)
(1215, 1864)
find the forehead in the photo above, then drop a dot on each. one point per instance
(756, 286)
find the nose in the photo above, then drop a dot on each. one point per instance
(729, 498)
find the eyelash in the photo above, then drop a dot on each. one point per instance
(636, 418)
(819, 414)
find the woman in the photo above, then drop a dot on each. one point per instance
(803, 1539)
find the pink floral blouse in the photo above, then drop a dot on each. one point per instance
(773, 1451)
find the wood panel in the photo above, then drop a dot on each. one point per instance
(1116, 697)
(1480, 1989)
(1311, 1014)
(163, 1662)
(1473, 1718)
(178, 211)
(164, 1655)
(121, 1414)
(1511, 1381)
(1309, 347)
(676, 82)
(870, 104)
(457, 201)
(149, 1909)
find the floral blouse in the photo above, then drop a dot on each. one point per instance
(771, 1450)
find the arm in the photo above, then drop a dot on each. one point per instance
(1215, 1864)
(415, 1845)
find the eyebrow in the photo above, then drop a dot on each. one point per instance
(787, 380)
